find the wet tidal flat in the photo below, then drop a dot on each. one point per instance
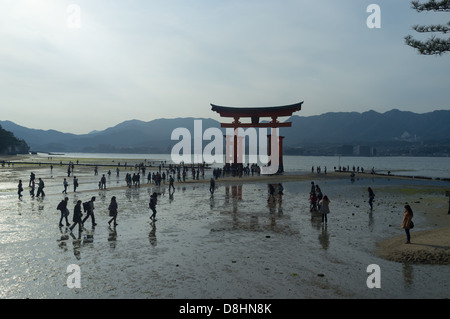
(233, 244)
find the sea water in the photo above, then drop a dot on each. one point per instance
(433, 167)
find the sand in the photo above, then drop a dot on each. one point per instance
(231, 245)
(428, 246)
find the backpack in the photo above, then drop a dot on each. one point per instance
(86, 206)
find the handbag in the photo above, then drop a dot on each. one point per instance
(411, 225)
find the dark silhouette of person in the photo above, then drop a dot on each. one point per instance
(90, 212)
(41, 186)
(20, 189)
(113, 211)
(77, 214)
(152, 205)
(371, 197)
(62, 207)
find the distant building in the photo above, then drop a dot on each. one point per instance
(363, 150)
(358, 150)
(345, 150)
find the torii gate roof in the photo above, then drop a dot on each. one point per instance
(255, 113)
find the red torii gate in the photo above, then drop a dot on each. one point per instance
(255, 113)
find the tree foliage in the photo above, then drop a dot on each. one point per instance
(10, 144)
(434, 45)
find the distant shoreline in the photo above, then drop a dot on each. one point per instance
(30, 160)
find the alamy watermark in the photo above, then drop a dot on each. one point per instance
(74, 279)
(374, 19)
(374, 279)
(235, 146)
(74, 16)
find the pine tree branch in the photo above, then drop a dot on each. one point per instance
(432, 5)
(432, 28)
(433, 46)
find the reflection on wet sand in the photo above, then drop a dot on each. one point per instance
(245, 219)
(112, 236)
(76, 242)
(152, 234)
(324, 237)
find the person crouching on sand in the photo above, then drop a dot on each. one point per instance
(407, 223)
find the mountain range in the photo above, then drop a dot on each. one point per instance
(334, 128)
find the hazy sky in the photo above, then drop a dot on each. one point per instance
(81, 65)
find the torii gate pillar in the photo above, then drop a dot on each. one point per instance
(280, 152)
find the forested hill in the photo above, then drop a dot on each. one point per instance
(9, 144)
(393, 131)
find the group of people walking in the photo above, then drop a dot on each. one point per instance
(32, 185)
(321, 203)
(88, 208)
(318, 202)
(66, 184)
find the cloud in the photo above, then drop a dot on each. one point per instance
(153, 59)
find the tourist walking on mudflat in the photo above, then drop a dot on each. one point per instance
(113, 211)
(65, 184)
(171, 180)
(32, 189)
(152, 205)
(319, 196)
(312, 202)
(90, 211)
(407, 222)
(325, 209)
(75, 183)
(41, 186)
(313, 188)
(62, 206)
(371, 197)
(32, 177)
(77, 217)
(103, 182)
(20, 189)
